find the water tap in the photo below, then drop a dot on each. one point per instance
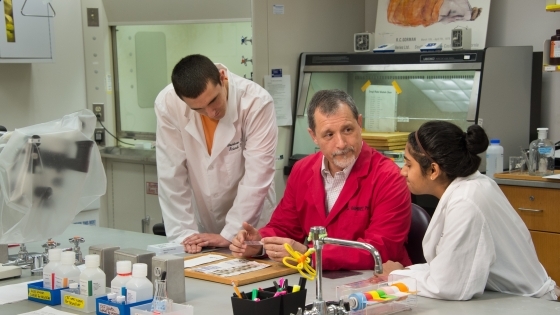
(50, 244)
(318, 235)
(76, 240)
(23, 259)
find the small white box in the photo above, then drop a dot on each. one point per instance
(166, 248)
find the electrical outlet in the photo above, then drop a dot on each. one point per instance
(99, 111)
(99, 136)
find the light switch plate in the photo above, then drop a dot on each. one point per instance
(92, 16)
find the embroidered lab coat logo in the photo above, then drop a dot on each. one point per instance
(233, 146)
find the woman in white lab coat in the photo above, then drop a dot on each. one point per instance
(475, 240)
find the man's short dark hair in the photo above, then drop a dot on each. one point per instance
(328, 102)
(191, 75)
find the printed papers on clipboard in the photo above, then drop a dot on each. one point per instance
(231, 269)
(381, 108)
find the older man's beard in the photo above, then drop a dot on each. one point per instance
(346, 160)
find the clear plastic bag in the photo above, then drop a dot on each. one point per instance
(48, 173)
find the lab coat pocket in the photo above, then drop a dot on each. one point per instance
(235, 161)
(355, 219)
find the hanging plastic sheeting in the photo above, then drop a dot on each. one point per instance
(48, 174)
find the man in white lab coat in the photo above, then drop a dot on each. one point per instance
(216, 141)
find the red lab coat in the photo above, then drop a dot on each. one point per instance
(373, 207)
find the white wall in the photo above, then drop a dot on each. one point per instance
(521, 23)
(39, 92)
(305, 26)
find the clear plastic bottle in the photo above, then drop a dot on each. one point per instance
(541, 155)
(139, 288)
(494, 158)
(48, 270)
(92, 279)
(124, 274)
(66, 272)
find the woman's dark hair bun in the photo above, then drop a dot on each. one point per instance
(476, 139)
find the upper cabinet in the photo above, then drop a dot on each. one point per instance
(26, 34)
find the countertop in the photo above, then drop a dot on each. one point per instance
(145, 156)
(524, 179)
(210, 298)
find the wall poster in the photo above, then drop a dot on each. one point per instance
(409, 24)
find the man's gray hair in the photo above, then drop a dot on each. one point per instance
(328, 102)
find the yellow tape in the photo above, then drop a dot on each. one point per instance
(74, 301)
(397, 87)
(366, 85)
(39, 294)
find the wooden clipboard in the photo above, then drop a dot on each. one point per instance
(275, 270)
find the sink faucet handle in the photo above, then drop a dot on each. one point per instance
(316, 233)
(76, 240)
(50, 244)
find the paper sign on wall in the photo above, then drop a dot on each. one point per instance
(279, 89)
(381, 108)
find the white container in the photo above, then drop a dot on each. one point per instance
(66, 272)
(167, 248)
(124, 274)
(541, 155)
(494, 158)
(139, 288)
(92, 279)
(48, 269)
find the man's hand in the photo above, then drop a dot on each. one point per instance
(239, 248)
(193, 244)
(275, 250)
(388, 267)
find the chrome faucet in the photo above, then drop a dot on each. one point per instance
(318, 235)
(76, 240)
(23, 260)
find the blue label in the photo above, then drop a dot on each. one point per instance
(276, 73)
(545, 150)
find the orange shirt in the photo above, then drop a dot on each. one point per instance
(209, 125)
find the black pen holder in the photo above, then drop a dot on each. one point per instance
(267, 305)
(290, 302)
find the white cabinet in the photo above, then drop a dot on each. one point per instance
(133, 203)
(26, 32)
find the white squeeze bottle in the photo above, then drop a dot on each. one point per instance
(48, 270)
(92, 279)
(66, 272)
(139, 288)
(124, 274)
(494, 158)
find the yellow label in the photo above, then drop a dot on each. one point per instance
(366, 85)
(397, 87)
(39, 294)
(74, 301)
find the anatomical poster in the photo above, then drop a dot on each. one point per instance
(410, 24)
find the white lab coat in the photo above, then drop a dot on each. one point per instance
(476, 240)
(202, 193)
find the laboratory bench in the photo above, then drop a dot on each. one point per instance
(536, 201)
(210, 298)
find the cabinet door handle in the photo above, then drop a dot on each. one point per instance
(530, 210)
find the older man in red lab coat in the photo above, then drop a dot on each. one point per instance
(349, 188)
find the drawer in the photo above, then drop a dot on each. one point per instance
(538, 207)
(547, 245)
